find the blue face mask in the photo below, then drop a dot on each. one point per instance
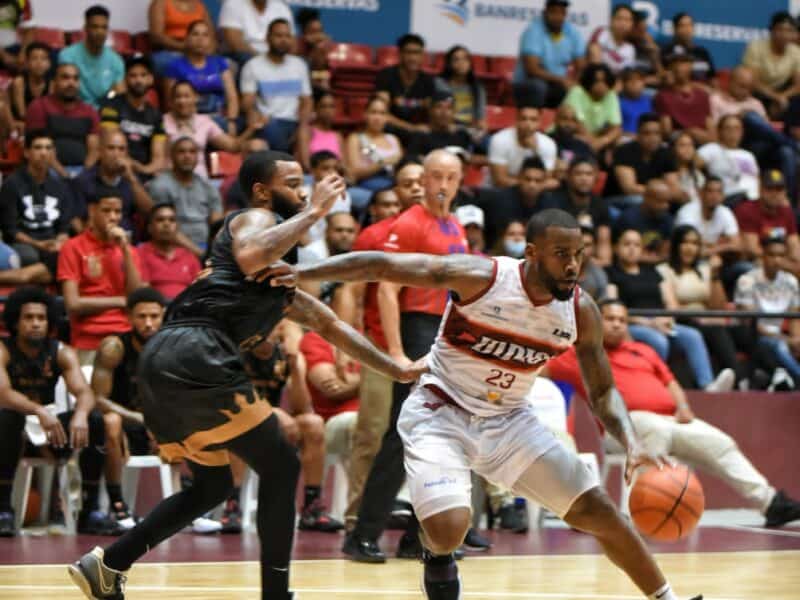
(515, 249)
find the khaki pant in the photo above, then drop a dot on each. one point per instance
(702, 446)
(339, 431)
(373, 419)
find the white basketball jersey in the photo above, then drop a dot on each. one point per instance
(490, 349)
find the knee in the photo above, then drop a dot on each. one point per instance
(593, 512)
(312, 429)
(445, 532)
(113, 426)
(291, 431)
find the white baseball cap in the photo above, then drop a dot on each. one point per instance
(470, 215)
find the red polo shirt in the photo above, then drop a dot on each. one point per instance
(685, 110)
(417, 230)
(753, 218)
(639, 373)
(168, 273)
(317, 351)
(373, 238)
(98, 268)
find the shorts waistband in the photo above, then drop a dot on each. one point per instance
(194, 322)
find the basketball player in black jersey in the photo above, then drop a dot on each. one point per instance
(31, 363)
(115, 386)
(197, 398)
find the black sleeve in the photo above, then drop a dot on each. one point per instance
(67, 207)
(8, 211)
(599, 212)
(624, 156)
(668, 162)
(712, 71)
(548, 200)
(383, 80)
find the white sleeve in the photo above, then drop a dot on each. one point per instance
(729, 224)
(230, 15)
(305, 78)
(248, 82)
(743, 296)
(497, 150)
(548, 151)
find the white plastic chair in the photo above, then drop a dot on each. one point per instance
(169, 475)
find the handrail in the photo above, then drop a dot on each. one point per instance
(695, 314)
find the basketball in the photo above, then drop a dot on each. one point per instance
(666, 504)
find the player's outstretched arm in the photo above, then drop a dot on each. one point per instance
(465, 274)
(310, 312)
(605, 399)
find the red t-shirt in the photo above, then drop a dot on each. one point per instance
(753, 218)
(373, 238)
(168, 274)
(639, 373)
(98, 268)
(417, 230)
(39, 109)
(685, 110)
(317, 351)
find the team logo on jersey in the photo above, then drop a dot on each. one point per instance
(566, 335)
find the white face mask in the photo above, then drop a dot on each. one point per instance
(515, 249)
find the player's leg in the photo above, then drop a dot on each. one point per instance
(115, 460)
(12, 424)
(266, 451)
(232, 513)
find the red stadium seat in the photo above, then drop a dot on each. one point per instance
(387, 56)
(480, 64)
(222, 164)
(122, 42)
(350, 55)
(500, 117)
(356, 107)
(54, 38)
(436, 62)
(547, 116)
(141, 42)
(503, 65)
(600, 184)
(76, 36)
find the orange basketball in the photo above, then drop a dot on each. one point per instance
(666, 505)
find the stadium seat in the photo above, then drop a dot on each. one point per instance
(600, 184)
(500, 117)
(504, 66)
(387, 56)
(435, 63)
(349, 55)
(169, 475)
(122, 42)
(141, 42)
(55, 38)
(222, 164)
(547, 116)
(480, 64)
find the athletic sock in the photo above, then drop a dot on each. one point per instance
(235, 494)
(275, 582)
(114, 493)
(439, 568)
(663, 593)
(313, 492)
(90, 495)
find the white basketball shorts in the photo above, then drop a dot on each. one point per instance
(443, 443)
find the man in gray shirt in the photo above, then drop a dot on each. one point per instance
(197, 202)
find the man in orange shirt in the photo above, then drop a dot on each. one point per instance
(410, 320)
(97, 270)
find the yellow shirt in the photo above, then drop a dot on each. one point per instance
(776, 71)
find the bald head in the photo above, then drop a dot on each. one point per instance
(441, 179)
(657, 196)
(441, 159)
(741, 82)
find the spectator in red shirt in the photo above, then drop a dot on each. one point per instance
(685, 104)
(97, 270)
(166, 266)
(664, 420)
(73, 124)
(769, 217)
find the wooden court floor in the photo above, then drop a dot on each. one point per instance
(719, 576)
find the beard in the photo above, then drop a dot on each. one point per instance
(284, 206)
(37, 342)
(552, 285)
(138, 91)
(138, 337)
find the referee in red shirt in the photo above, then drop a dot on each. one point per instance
(410, 319)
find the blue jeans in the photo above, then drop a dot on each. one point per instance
(688, 339)
(278, 134)
(779, 349)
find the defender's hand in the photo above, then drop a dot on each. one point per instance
(283, 274)
(639, 457)
(413, 370)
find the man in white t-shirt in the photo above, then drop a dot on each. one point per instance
(509, 148)
(716, 223)
(276, 89)
(727, 160)
(244, 25)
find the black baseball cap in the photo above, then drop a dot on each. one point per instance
(773, 178)
(139, 59)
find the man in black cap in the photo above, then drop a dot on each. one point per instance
(443, 132)
(138, 119)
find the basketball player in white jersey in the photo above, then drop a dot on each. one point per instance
(506, 318)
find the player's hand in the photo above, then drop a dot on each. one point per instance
(326, 192)
(117, 235)
(413, 370)
(52, 428)
(79, 430)
(283, 274)
(639, 457)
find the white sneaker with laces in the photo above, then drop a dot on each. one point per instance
(723, 383)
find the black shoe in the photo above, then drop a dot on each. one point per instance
(514, 517)
(442, 590)
(95, 579)
(7, 528)
(97, 522)
(782, 510)
(401, 516)
(314, 518)
(231, 518)
(700, 597)
(475, 541)
(363, 550)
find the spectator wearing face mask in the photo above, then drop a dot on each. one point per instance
(512, 243)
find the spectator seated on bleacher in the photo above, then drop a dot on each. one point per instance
(276, 89)
(592, 277)
(690, 168)
(12, 14)
(320, 134)
(324, 163)
(406, 89)
(508, 148)
(36, 206)
(684, 104)
(473, 221)
(648, 55)
(196, 200)
(738, 98)
(97, 270)
(715, 222)
(73, 124)
(663, 418)
(469, 95)
(101, 68)
(567, 135)
(113, 174)
(511, 241)
(552, 52)
(244, 25)
(610, 46)
(312, 32)
(633, 101)
(114, 383)
(31, 363)
(209, 74)
(443, 130)
(33, 82)
(167, 266)
(735, 166)
(652, 220)
(140, 121)
(682, 42)
(340, 234)
(597, 107)
(169, 22)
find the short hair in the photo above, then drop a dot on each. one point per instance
(610, 302)
(712, 179)
(727, 118)
(629, 73)
(781, 17)
(410, 38)
(36, 134)
(619, 8)
(320, 156)
(646, 118)
(195, 23)
(409, 159)
(37, 46)
(678, 17)
(582, 159)
(306, 16)
(101, 192)
(98, 10)
(180, 140)
(373, 199)
(181, 82)
(29, 294)
(550, 217)
(318, 94)
(589, 75)
(145, 294)
(275, 23)
(532, 162)
(618, 232)
(524, 103)
(63, 65)
(260, 167)
(158, 206)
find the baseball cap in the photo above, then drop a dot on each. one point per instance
(773, 178)
(470, 215)
(139, 59)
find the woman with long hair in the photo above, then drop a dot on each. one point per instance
(469, 96)
(690, 173)
(320, 135)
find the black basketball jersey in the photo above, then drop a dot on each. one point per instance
(124, 389)
(245, 310)
(35, 377)
(269, 376)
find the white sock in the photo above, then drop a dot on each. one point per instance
(663, 593)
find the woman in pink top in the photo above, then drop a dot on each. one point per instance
(183, 120)
(321, 135)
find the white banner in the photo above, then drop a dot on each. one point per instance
(493, 27)
(127, 15)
